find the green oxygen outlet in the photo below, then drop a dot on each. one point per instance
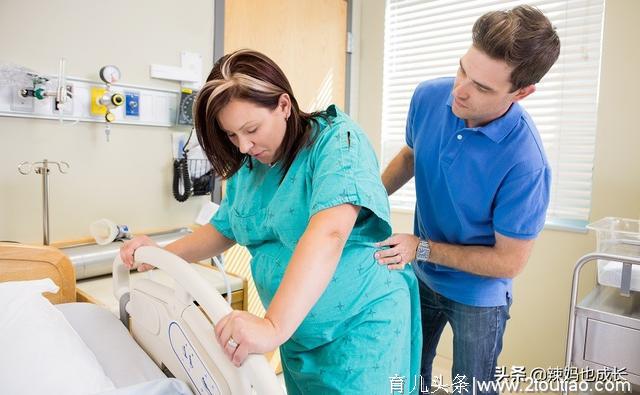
(38, 93)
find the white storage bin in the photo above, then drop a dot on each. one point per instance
(619, 236)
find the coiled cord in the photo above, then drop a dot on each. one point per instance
(181, 179)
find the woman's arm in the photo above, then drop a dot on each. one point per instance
(312, 266)
(310, 269)
(203, 243)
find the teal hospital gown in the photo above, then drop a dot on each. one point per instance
(365, 328)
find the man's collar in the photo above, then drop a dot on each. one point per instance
(500, 127)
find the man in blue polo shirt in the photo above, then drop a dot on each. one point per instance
(482, 187)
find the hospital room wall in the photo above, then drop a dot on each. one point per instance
(127, 179)
(536, 333)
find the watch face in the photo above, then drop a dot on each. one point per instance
(422, 254)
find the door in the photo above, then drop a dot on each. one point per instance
(307, 39)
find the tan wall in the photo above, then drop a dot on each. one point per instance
(127, 179)
(536, 333)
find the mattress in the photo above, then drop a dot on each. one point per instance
(122, 359)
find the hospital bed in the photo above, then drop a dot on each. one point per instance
(170, 329)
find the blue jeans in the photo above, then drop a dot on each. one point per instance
(477, 337)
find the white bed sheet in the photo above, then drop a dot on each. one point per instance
(164, 386)
(122, 359)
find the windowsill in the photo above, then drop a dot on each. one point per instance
(569, 225)
(397, 210)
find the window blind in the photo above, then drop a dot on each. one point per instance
(425, 40)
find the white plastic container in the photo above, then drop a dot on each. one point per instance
(618, 236)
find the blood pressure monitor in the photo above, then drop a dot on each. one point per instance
(185, 108)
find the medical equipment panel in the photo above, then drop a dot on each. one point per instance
(185, 109)
(192, 363)
(27, 94)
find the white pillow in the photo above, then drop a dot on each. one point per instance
(40, 353)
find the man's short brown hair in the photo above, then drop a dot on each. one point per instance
(523, 37)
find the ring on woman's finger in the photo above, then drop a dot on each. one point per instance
(232, 343)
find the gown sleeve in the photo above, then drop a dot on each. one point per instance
(220, 220)
(344, 170)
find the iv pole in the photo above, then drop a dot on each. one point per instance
(43, 168)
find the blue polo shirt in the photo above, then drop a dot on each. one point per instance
(472, 182)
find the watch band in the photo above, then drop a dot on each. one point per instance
(423, 252)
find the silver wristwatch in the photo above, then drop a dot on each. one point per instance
(423, 252)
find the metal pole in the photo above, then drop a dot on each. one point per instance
(218, 29)
(25, 168)
(45, 201)
(218, 52)
(348, 60)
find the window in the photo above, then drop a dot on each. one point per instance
(425, 39)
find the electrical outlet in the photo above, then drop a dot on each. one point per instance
(132, 104)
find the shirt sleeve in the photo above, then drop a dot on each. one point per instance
(410, 117)
(344, 169)
(521, 204)
(220, 220)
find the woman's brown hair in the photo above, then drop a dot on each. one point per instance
(251, 76)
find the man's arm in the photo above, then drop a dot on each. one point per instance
(505, 259)
(399, 171)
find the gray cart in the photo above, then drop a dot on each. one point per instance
(604, 328)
